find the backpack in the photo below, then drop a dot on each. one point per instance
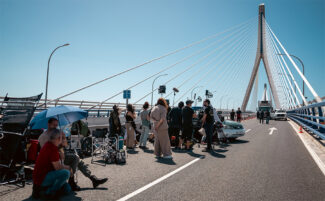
(110, 156)
(120, 157)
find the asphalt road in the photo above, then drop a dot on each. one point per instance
(259, 166)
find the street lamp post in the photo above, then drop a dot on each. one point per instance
(153, 85)
(303, 72)
(228, 101)
(193, 90)
(48, 69)
(221, 99)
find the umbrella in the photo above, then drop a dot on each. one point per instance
(64, 114)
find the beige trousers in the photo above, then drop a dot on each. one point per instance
(130, 135)
(162, 143)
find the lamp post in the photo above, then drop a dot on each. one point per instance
(303, 72)
(153, 85)
(228, 101)
(193, 90)
(221, 99)
(48, 69)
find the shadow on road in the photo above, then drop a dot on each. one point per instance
(11, 188)
(149, 151)
(165, 161)
(196, 155)
(220, 150)
(240, 142)
(217, 155)
(94, 189)
(132, 151)
(67, 197)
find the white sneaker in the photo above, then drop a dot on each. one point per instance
(168, 157)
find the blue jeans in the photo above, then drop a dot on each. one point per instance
(144, 135)
(208, 130)
(55, 180)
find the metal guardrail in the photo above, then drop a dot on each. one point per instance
(310, 117)
(98, 110)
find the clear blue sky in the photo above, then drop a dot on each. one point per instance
(107, 37)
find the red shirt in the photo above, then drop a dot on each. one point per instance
(48, 154)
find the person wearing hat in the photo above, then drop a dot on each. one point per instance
(187, 124)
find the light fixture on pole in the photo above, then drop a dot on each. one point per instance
(175, 91)
(153, 85)
(48, 69)
(193, 90)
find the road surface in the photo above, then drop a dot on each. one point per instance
(259, 166)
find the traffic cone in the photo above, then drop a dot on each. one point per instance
(300, 129)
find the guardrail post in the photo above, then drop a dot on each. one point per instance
(56, 102)
(321, 121)
(314, 119)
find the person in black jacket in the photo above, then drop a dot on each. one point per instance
(114, 121)
(207, 124)
(232, 115)
(175, 123)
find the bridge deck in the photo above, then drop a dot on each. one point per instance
(259, 166)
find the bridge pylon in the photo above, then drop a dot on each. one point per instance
(261, 55)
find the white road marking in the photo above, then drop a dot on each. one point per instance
(248, 130)
(271, 130)
(157, 181)
(317, 160)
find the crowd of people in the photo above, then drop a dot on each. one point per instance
(167, 125)
(55, 166)
(261, 115)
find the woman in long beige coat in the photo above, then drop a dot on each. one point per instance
(162, 142)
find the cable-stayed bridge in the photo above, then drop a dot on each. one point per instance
(282, 160)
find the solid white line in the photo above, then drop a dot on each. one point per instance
(248, 130)
(317, 160)
(157, 181)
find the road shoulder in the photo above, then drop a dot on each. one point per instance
(314, 147)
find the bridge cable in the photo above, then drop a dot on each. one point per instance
(164, 84)
(150, 61)
(169, 67)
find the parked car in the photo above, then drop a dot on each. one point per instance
(280, 115)
(233, 130)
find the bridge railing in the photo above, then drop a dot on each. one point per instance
(311, 118)
(97, 109)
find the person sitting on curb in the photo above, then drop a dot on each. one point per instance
(50, 175)
(70, 159)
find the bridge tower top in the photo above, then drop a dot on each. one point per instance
(261, 55)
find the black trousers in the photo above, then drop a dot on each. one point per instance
(174, 132)
(209, 132)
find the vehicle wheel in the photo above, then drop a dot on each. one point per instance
(286, 119)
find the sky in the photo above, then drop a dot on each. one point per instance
(107, 37)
